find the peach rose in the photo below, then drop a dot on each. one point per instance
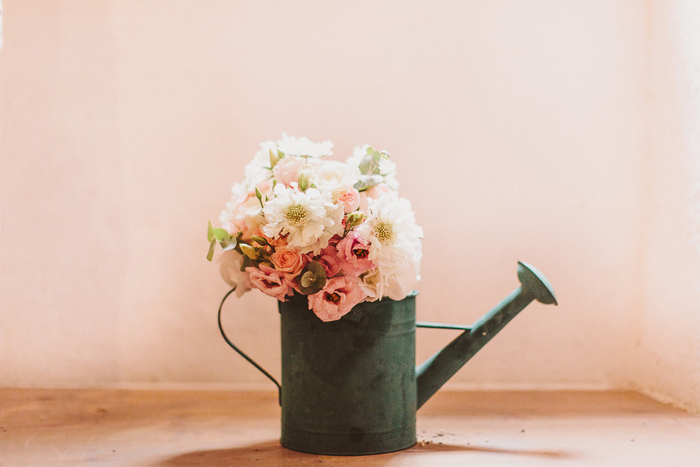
(289, 262)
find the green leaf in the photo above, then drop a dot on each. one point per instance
(366, 165)
(312, 278)
(231, 246)
(221, 234)
(210, 232)
(370, 150)
(212, 245)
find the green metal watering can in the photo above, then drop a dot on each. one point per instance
(351, 386)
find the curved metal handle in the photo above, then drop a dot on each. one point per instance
(242, 354)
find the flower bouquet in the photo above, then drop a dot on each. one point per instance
(337, 232)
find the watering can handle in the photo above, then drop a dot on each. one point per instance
(242, 354)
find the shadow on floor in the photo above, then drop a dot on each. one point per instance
(272, 453)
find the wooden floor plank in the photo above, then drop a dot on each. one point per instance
(56, 427)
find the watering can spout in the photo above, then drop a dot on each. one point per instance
(439, 368)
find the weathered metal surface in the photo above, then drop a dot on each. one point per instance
(439, 368)
(349, 386)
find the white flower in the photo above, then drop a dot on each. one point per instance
(292, 146)
(395, 245)
(258, 170)
(309, 219)
(335, 177)
(387, 169)
(372, 284)
(396, 286)
(238, 197)
(230, 270)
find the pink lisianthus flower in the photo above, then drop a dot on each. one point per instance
(269, 282)
(330, 261)
(288, 262)
(337, 298)
(353, 252)
(350, 200)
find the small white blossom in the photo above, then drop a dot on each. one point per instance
(292, 146)
(258, 170)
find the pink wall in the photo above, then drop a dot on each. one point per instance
(518, 129)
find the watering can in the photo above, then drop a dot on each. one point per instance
(351, 387)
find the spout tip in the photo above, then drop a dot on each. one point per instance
(536, 284)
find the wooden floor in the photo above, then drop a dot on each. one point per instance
(41, 427)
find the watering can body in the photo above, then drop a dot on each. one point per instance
(351, 387)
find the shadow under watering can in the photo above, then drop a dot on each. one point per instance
(351, 386)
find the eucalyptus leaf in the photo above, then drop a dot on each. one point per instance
(210, 232)
(312, 278)
(221, 234)
(212, 246)
(231, 246)
(366, 165)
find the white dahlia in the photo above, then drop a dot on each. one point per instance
(308, 219)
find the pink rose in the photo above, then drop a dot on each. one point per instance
(330, 261)
(269, 282)
(289, 262)
(353, 252)
(337, 298)
(350, 200)
(287, 170)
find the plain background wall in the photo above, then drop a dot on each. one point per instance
(520, 130)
